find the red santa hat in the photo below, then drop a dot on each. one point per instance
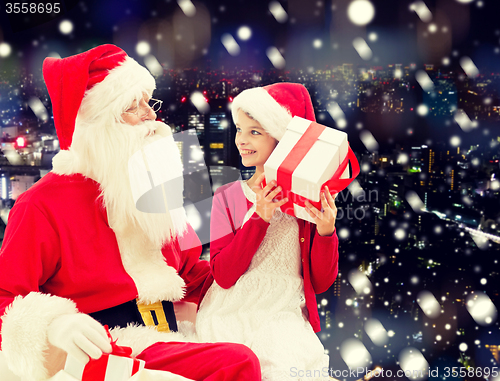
(274, 106)
(101, 80)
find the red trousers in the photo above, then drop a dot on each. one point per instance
(209, 362)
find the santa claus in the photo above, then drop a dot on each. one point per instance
(78, 254)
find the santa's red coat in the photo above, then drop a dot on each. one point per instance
(59, 256)
(58, 241)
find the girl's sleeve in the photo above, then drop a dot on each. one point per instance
(324, 260)
(231, 252)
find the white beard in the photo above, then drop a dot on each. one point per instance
(101, 151)
(105, 159)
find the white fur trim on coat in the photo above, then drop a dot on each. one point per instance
(24, 332)
(140, 337)
(154, 278)
(263, 108)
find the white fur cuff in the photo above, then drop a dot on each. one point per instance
(24, 332)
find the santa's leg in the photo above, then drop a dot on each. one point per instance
(209, 362)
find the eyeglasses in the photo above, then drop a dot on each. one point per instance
(141, 112)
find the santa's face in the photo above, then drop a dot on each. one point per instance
(139, 111)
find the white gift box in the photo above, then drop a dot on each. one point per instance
(328, 149)
(107, 368)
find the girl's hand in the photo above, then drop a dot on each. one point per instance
(266, 205)
(325, 220)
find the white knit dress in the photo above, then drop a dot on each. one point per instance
(265, 309)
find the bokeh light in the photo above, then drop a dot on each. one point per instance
(66, 27)
(230, 44)
(455, 141)
(422, 110)
(482, 309)
(361, 12)
(200, 102)
(275, 57)
(244, 33)
(360, 282)
(413, 363)
(5, 49)
(354, 353)
(362, 48)
(187, 7)
(278, 12)
(376, 332)
(143, 48)
(369, 140)
(429, 304)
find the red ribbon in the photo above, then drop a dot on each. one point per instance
(95, 370)
(118, 350)
(284, 177)
(292, 160)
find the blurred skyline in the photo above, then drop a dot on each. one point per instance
(307, 33)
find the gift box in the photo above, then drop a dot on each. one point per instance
(309, 157)
(116, 366)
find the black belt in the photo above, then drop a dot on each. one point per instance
(149, 315)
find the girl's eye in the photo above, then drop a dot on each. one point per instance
(255, 132)
(238, 129)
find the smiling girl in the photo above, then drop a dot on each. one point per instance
(268, 265)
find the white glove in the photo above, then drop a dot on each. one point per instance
(80, 336)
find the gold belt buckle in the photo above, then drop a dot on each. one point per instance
(147, 310)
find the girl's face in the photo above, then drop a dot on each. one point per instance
(253, 142)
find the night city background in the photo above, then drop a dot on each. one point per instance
(414, 84)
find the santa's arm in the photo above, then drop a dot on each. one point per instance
(26, 312)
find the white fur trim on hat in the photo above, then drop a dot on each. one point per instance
(66, 162)
(263, 108)
(124, 84)
(24, 332)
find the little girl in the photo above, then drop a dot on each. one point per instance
(268, 265)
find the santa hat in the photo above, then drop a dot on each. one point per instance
(101, 80)
(274, 106)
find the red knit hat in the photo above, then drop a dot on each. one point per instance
(71, 79)
(274, 106)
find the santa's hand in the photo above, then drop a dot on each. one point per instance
(80, 336)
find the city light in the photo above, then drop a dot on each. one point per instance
(21, 142)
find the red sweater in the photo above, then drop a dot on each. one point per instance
(232, 248)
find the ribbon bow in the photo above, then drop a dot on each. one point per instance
(118, 350)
